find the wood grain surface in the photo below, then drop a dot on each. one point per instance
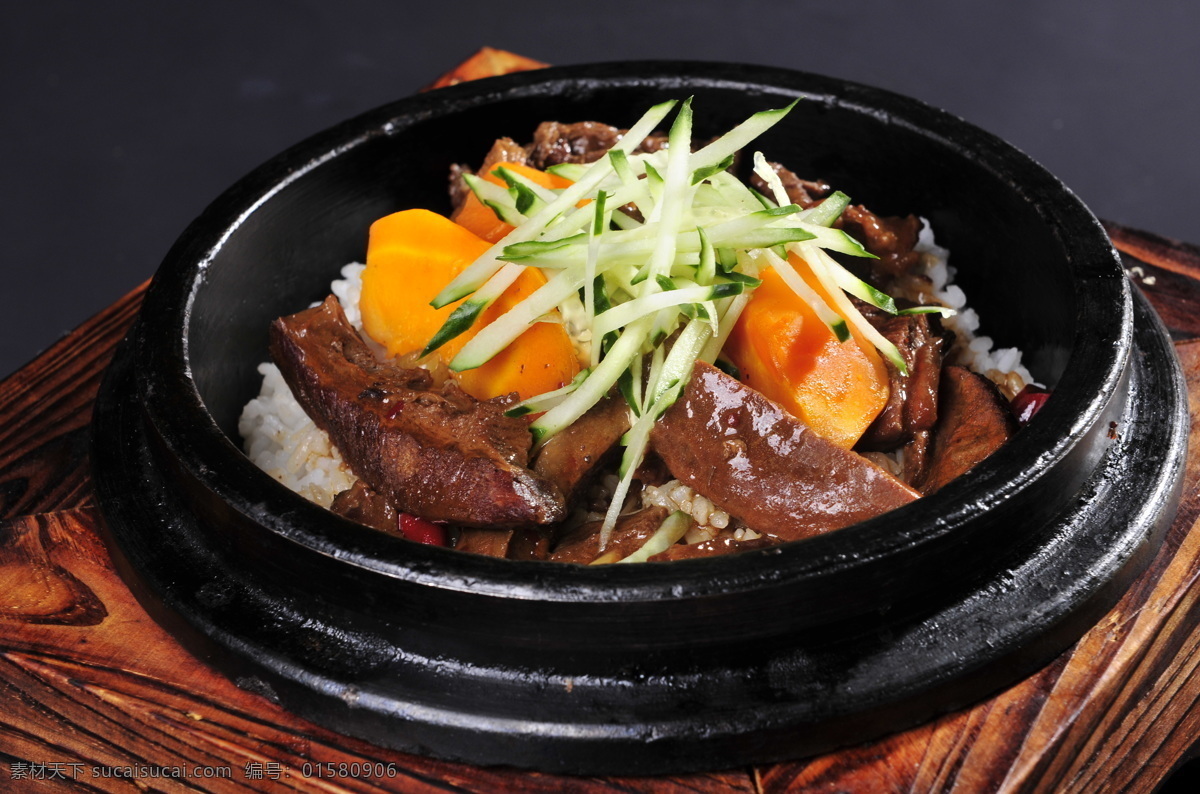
(94, 696)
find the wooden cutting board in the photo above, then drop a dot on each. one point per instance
(95, 696)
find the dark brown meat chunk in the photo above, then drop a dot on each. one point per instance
(916, 458)
(891, 239)
(582, 545)
(490, 542)
(800, 191)
(366, 506)
(975, 420)
(570, 456)
(762, 465)
(436, 453)
(912, 398)
(522, 543)
(580, 142)
(531, 543)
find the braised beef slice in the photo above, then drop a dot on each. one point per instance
(725, 543)
(521, 543)
(572, 454)
(916, 458)
(912, 398)
(582, 545)
(762, 465)
(361, 503)
(434, 452)
(490, 542)
(974, 421)
(892, 239)
(531, 543)
(580, 142)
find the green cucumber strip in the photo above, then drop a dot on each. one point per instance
(517, 180)
(675, 188)
(624, 221)
(658, 357)
(763, 200)
(602, 303)
(630, 311)
(727, 259)
(589, 275)
(707, 272)
(486, 192)
(631, 458)
(841, 331)
(525, 197)
(593, 388)
(828, 211)
(666, 282)
(665, 323)
(701, 174)
(598, 222)
(493, 288)
(636, 441)
(734, 192)
(669, 532)
(835, 240)
(677, 368)
(571, 171)
(512, 217)
(742, 278)
(629, 180)
(462, 318)
(635, 248)
(824, 311)
(543, 402)
(945, 311)
(861, 289)
(753, 221)
(533, 248)
(502, 331)
(729, 317)
(630, 390)
(766, 237)
(738, 137)
(821, 264)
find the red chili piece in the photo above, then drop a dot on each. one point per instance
(1028, 402)
(419, 530)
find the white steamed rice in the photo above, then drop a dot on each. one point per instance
(279, 436)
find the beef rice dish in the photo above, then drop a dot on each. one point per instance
(616, 350)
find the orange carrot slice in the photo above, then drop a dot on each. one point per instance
(785, 352)
(413, 254)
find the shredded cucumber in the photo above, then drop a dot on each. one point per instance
(673, 527)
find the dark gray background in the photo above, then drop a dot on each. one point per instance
(122, 120)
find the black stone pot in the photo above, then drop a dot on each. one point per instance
(660, 667)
